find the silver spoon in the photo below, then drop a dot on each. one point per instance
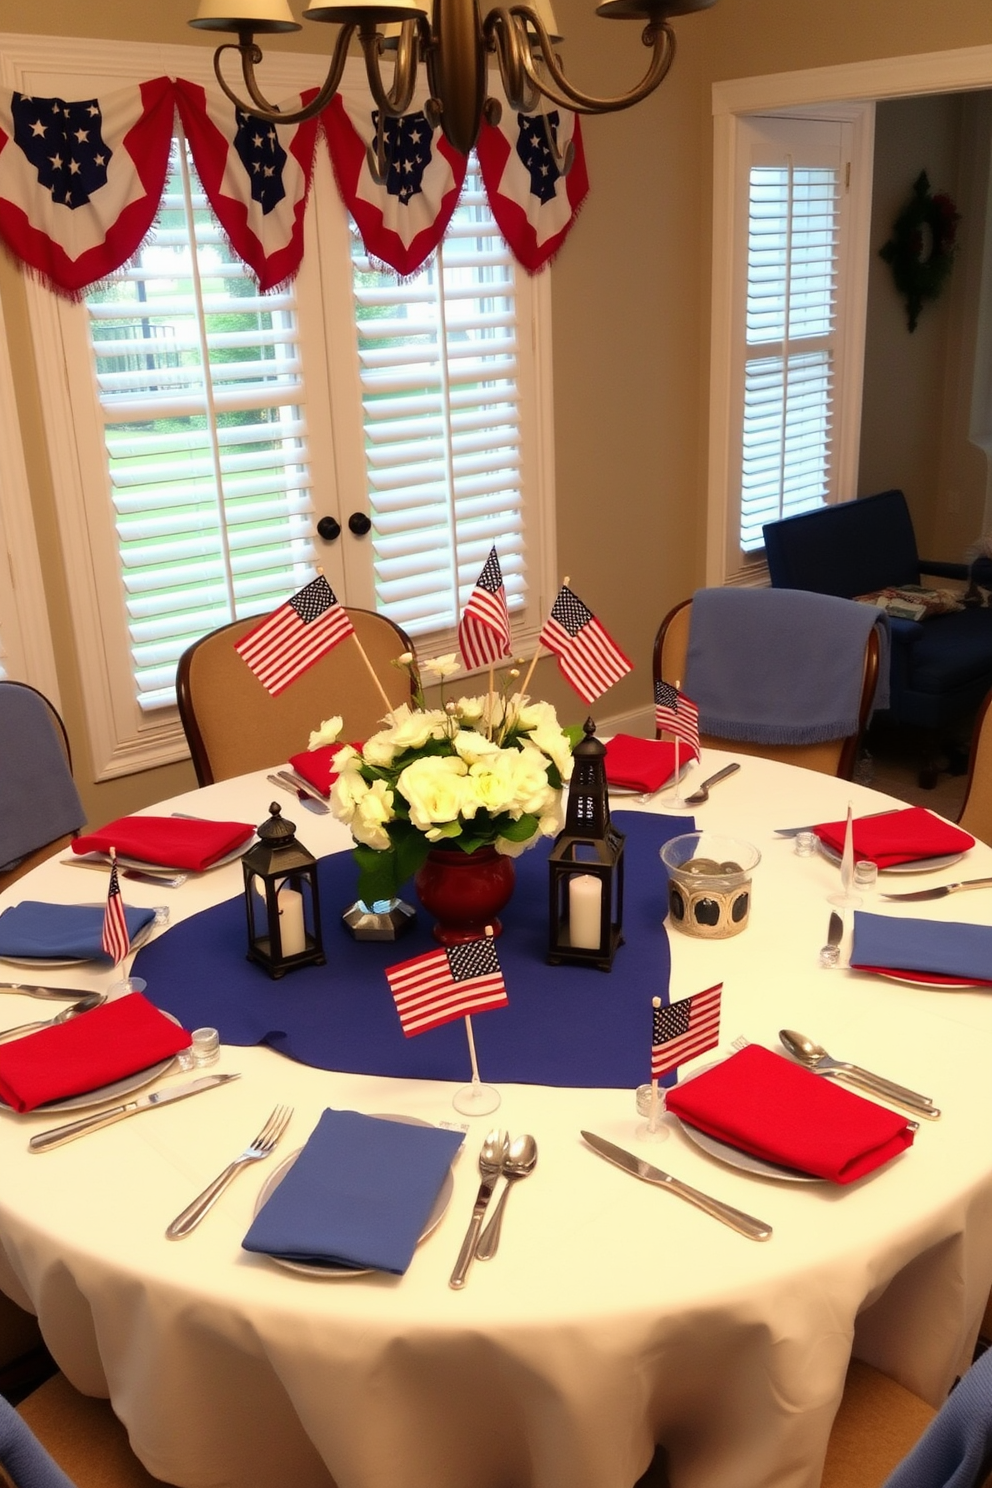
(702, 792)
(815, 1057)
(519, 1162)
(84, 1005)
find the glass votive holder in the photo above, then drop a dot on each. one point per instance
(865, 874)
(205, 1046)
(806, 844)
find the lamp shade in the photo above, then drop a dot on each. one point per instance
(544, 10)
(648, 10)
(245, 15)
(353, 12)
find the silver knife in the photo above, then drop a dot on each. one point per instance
(56, 1135)
(744, 1224)
(794, 831)
(70, 994)
(163, 878)
(317, 807)
(465, 1256)
(939, 893)
(303, 786)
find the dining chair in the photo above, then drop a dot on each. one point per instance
(233, 724)
(976, 813)
(40, 809)
(59, 1438)
(830, 757)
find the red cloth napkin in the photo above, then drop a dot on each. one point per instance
(642, 764)
(774, 1109)
(88, 1052)
(171, 841)
(931, 978)
(898, 837)
(315, 766)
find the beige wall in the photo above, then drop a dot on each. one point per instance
(630, 302)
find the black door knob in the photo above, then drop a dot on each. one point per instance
(329, 528)
(359, 523)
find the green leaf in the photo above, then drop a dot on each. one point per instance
(521, 830)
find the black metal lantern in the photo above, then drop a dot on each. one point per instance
(281, 899)
(586, 867)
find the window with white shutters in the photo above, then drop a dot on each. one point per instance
(793, 194)
(791, 325)
(201, 390)
(211, 427)
(439, 357)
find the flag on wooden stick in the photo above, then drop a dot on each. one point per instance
(484, 629)
(115, 939)
(295, 636)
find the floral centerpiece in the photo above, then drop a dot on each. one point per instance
(480, 773)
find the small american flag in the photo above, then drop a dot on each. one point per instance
(484, 629)
(443, 985)
(295, 635)
(587, 657)
(115, 940)
(676, 714)
(685, 1029)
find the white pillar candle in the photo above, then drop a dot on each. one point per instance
(585, 909)
(291, 929)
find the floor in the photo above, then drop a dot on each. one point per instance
(889, 762)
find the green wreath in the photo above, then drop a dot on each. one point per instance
(922, 247)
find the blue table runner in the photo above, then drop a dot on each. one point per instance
(565, 1025)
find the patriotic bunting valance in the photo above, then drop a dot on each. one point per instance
(81, 180)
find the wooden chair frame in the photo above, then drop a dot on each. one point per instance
(237, 742)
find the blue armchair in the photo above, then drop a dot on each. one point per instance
(941, 668)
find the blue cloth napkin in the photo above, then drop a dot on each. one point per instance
(955, 1451)
(359, 1194)
(781, 666)
(55, 932)
(943, 947)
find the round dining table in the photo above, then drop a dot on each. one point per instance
(614, 1316)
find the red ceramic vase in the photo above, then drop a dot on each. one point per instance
(464, 891)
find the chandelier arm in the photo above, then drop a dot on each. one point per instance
(507, 37)
(260, 107)
(395, 100)
(657, 34)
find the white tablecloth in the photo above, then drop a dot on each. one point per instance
(613, 1317)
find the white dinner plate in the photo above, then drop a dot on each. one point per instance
(116, 1091)
(323, 1271)
(921, 865)
(909, 980)
(53, 964)
(744, 1160)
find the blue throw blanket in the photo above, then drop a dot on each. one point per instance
(23, 1457)
(38, 800)
(781, 666)
(955, 1451)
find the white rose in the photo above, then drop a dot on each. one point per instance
(373, 810)
(327, 733)
(528, 778)
(513, 849)
(492, 789)
(347, 758)
(473, 747)
(435, 789)
(442, 666)
(381, 749)
(346, 792)
(412, 729)
(551, 741)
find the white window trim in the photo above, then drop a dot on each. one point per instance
(121, 742)
(950, 71)
(27, 639)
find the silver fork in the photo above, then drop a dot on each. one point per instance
(263, 1145)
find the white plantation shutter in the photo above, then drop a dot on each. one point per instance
(200, 388)
(439, 361)
(791, 320)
